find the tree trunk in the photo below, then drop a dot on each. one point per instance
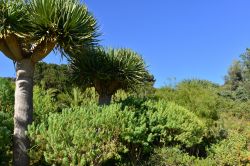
(23, 111)
(104, 99)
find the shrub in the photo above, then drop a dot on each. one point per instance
(198, 96)
(79, 136)
(150, 124)
(173, 156)
(6, 120)
(231, 151)
(6, 128)
(44, 102)
(95, 135)
(238, 109)
(6, 95)
(77, 97)
(201, 98)
(174, 124)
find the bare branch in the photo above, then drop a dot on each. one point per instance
(6, 51)
(42, 50)
(14, 46)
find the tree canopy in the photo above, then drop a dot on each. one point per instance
(33, 28)
(109, 70)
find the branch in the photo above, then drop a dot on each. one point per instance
(6, 51)
(14, 46)
(42, 50)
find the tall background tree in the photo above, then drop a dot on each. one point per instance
(237, 81)
(109, 70)
(234, 77)
(52, 76)
(29, 31)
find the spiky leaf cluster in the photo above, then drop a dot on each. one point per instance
(13, 17)
(35, 27)
(67, 21)
(122, 68)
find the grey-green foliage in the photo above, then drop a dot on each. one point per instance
(92, 134)
(88, 135)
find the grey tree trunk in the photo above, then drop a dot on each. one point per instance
(104, 99)
(23, 111)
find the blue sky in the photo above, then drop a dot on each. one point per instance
(177, 38)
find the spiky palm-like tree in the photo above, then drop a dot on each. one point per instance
(109, 70)
(29, 31)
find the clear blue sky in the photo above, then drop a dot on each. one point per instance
(177, 38)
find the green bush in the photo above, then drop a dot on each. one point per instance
(174, 124)
(52, 76)
(6, 120)
(173, 156)
(150, 124)
(44, 102)
(6, 95)
(198, 96)
(6, 129)
(201, 98)
(238, 109)
(231, 151)
(95, 135)
(77, 97)
(78, 136)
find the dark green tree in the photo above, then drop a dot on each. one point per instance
(109, 70)
(235, 75)
(52, 76)
(237, 81)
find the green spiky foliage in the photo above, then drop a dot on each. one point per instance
(109, 70)
(33, 28)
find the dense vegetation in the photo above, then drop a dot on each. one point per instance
(192, 123)
(29, 31)
(195, 122)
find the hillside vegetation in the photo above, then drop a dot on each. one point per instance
(195, 122)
